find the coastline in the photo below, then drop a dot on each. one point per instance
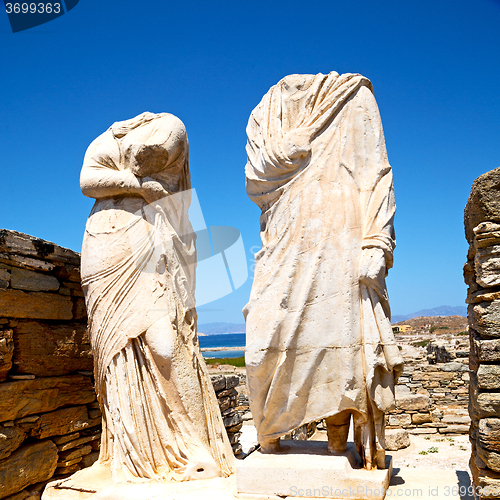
(209, 349)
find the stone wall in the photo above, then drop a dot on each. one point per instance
(482, 275)
(49, 418)
(225, 386)
(50, 422)
(432, 397)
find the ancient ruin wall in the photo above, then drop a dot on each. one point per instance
(50, 422)
(432, 397)
(49, 417)
(432, 394)
(482, 275)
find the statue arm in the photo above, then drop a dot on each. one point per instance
(99, 182)
(373, 175)
(106, 180)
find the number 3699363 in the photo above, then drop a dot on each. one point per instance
(33, 8)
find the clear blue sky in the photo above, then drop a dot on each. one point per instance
(434, 64)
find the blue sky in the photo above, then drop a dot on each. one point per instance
(435, 67)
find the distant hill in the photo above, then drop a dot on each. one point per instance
(219, 328)
(437, 311)
(442, 324)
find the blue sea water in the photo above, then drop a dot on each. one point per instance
(223, 354)
(223, 340)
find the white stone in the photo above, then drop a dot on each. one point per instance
(401, 419)
(487, 258)
(487, 264)
(319, 339)
(396, 439)
(414, 401)
(402, 389)
(305, 468)
(248, 438)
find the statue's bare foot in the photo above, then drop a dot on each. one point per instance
(270, 445)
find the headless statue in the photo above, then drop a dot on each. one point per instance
(319, 339)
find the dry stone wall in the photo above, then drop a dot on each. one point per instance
(482, 275)
(432, 397)
(225, 386)
(50, 421)
(49, 417)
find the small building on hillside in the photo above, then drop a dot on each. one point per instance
(402, 328)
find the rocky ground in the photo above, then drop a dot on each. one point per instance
(226, 369)
(436, 452)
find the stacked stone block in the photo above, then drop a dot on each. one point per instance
(431, 398)
(482, 275)
(227, 395)
(49, 418)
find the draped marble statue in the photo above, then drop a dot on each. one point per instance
(319, 339)
(161, 419)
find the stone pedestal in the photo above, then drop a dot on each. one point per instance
(306, 469)
(95, 483)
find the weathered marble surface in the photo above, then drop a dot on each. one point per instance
(45, 379)
(161, 420)
(306, 469)
(96, 483)
(319, 339)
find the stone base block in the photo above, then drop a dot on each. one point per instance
(95, 483)
(306, 469)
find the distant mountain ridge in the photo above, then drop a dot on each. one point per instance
(220, 328)
(436, 311)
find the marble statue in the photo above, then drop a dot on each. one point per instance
(161, 419)
(319, 338)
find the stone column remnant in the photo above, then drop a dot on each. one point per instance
(482, 275)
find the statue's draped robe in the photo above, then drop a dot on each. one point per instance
(319, 340)
(160, 416)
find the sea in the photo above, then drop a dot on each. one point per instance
(223, 340)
